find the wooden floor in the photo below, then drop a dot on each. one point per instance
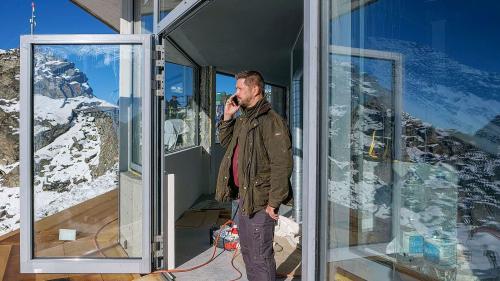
(96, 221)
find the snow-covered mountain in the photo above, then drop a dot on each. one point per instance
(9, 118)
(75, 138)
(58, 78)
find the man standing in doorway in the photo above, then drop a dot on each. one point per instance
(173, 108)
(256, 170)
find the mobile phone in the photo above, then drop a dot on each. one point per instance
(235, 100)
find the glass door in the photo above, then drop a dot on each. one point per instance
(179, 129)
(85, 153)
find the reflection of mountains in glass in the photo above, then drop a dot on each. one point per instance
(59, 78)
(441, 90)
(371, 134)
(475, 158)
(75, 137)
(451, 180)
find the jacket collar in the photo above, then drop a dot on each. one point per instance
(258, 109)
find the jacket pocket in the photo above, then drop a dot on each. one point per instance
(262, 181)
(261, 187)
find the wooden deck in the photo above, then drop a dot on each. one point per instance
(95, 220)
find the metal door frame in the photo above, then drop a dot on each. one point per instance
(28, 263)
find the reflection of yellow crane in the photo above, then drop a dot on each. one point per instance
(371, 151)
(372, 146)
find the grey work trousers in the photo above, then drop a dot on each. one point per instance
(256, 240)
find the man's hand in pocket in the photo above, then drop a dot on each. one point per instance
(272, 213)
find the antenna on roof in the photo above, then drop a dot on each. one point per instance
(32, 20)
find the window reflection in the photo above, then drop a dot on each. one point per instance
(413, 178)
(86, 138)
(180, 107)
(362, 132)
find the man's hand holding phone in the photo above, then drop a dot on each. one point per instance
(231, 108)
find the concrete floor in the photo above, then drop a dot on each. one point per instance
(193, 248)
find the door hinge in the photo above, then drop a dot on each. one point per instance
(159, 64)
(158, 246)
(160, 55)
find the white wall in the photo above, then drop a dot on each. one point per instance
(191, 169)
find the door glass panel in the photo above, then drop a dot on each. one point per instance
(87, 199)
(180, 107)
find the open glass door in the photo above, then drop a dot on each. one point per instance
(85, 153)
(180, 132)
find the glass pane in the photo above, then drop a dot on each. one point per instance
(144, 16)
(224, 88)
(277, 97)
(180, 107)
(166, 6)
(412, 140)
(86, 111)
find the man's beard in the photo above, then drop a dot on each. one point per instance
(243, 104)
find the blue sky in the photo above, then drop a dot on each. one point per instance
(53, 17)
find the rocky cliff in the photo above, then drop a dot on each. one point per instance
(75, 138)
(9, 118)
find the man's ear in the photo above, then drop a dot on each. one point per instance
(255, 91)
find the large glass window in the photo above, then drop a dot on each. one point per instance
(87, 200)
(225, 86)
(411, 158)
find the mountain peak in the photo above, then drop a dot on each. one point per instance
(59, 78)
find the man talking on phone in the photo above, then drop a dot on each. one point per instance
(256, 170)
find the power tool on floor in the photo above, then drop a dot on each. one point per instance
(229, 239)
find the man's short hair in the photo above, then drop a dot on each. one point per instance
(252, 78)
